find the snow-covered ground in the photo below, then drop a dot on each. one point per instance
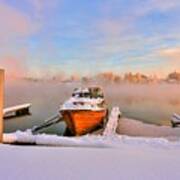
(108, 156)
(97, 157)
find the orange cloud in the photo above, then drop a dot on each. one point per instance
(112, 27)
(172, 59)
(14, 67)
(14, 25)
(171, 53)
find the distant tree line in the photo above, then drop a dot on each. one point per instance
(110, 77)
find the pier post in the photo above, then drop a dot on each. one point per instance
(1, 103)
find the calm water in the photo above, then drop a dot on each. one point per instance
(148, 103)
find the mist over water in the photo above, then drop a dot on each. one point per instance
(150, 103)
(45, 99)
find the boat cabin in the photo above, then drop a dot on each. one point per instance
(92, 92)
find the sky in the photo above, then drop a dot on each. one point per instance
(41, 38)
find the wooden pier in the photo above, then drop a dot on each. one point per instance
(111, 126)
(30, 138)
(175, 120)
(18, 110)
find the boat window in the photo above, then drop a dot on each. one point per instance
(92, 93)
(96, 93)
(86, 94)
(83, 95)
(80, 94)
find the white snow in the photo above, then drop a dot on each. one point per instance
(81, 90)
(175, 118)
(112, 122)
(77, 103)
(110, 156)
(105, 157)
(88, 140)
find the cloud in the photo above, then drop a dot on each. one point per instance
(130, 12)
(15, 27)
(14, 23)
(41, 7)
(171, 53)
(163, 5)
(43, 4)
(112, 27)
(119, 36)
(15, 67)
(159, 61)
(113, 39)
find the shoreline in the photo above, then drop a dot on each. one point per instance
(132, 127)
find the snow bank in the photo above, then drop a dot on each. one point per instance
(127, 162)
(105, 157)
(88, 140)
(53, 140)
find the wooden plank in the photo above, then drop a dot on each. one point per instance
(14, 111)
(16, 108)
(175, 120)
(1, 104)
(111, 126)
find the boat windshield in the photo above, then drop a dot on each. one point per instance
(80, 94)
(88, 93)
(96, 93)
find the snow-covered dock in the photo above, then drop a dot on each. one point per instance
(16, 110)
(175, 120)
(28, 137)
(112, 123)
(90, 140)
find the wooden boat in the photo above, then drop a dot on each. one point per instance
(84, 111)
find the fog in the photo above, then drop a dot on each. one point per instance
(150, 103)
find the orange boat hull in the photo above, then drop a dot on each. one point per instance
(80, 122)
